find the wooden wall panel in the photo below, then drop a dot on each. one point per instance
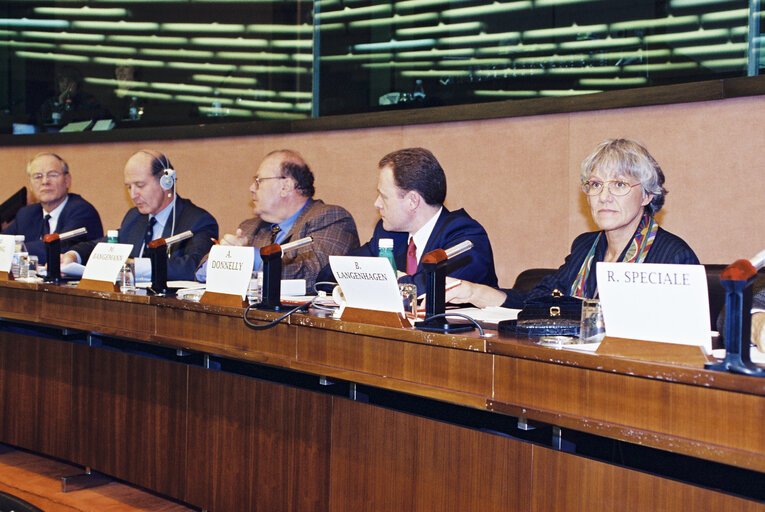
(518, 175)
(383, 460)
(564, 482)
(36, 394)
(131, 417)
(256, 446)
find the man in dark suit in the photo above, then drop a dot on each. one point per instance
(57, 211)
(411, 190)
(159, 213)
(282, 192)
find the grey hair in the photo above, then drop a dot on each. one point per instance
(64, 165)
(631, 159)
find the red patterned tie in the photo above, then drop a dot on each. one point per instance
(411, 258)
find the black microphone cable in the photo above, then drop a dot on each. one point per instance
(260, 327)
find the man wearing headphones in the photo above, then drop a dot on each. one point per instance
(58, 211)
(158, 213)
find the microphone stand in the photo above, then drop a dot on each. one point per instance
(737, 281)
(272, 273)
(435, 263)
(53, 252)
(158, 254)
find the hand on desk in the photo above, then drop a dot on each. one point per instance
(69, 257)
(237, 239)
(479, 295)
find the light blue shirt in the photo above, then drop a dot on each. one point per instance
(284, 229)
(162, 218)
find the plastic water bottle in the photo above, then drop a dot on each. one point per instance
(19, 250)
(112, 236)
(385, 250)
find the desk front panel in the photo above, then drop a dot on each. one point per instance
(695, 420)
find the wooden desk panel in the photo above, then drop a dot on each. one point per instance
(709, 423)
(565, 482)
(19, 301)
(214, 330)
(229, 442)
(130, 417)
(467, 372)
(384, 460)
(36, 394)
(104, 312)
(256, 445)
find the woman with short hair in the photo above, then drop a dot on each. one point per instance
(625, 189)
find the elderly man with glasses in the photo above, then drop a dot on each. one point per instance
(57, 211)
(282, 196)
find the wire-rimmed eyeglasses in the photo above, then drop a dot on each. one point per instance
(615, 187)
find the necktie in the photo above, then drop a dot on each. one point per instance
(149, 235)
(46, 224)
(274, 231)
(411, 258)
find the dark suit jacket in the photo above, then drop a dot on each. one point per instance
(184, 256)
(666, 248)
(77, 213)
(451, 228)
(332, 228)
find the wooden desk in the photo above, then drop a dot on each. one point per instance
(259, 433)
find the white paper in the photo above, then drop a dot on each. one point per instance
(229, 269)
(655, 302)
(106, 261)
(490, 316)
(367, 282)
(7, 247)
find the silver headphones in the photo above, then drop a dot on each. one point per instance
(167, 181)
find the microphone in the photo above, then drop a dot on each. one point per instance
(53, 251)
(435, 263)
(272, 272)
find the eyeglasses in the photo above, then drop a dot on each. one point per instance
(259, 180)
(615, 187)
(38, 176)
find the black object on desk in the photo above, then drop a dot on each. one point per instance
(435, 263)
(737, 281)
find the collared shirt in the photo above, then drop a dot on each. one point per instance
(284, 229)
(55, 215)
(162, 218)
(422, 235)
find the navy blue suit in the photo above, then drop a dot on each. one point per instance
(666, 248)
(77, 213)
(184, 256)
(476, 265)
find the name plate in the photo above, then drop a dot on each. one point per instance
(106, 261)
(367, 283)
(7, 247)
(655, 302)
(229, 269)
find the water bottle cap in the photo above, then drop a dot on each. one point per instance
(385, 243)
